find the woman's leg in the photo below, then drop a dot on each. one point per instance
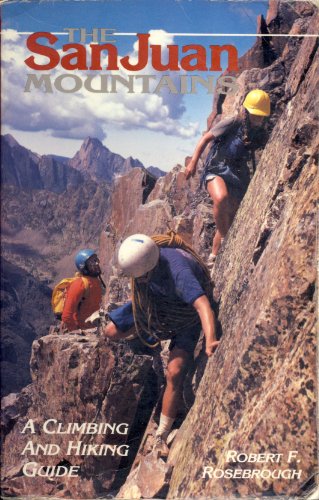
(224, 209)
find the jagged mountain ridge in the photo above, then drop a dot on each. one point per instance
(157, 172)
(97, 161)
(49, 203)
(26, 170)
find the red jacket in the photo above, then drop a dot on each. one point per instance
(81, 303)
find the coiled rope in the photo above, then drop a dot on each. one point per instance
(157, 316)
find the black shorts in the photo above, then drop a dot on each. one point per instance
(186, 339)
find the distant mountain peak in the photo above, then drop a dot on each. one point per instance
(11, 140)
(92, 141)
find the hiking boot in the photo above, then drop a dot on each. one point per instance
(160, 447)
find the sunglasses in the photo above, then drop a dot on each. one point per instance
(93, 260)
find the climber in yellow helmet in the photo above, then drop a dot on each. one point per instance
(226, 172)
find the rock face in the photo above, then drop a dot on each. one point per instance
(130, 192)
(258, 391)
(149, 480)
(134, 187)
(92, 382)
(25, 315)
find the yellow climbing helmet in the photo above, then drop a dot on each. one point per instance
(257, 102)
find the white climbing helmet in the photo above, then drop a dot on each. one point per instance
(138, 255)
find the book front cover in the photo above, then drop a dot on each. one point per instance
(193, 120)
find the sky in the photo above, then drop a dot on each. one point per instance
(159, 129)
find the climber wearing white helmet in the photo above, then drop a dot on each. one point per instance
(172, 299)
(227, 172)
(138, 255)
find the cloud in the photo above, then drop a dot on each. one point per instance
(84, 113)
(11, 35)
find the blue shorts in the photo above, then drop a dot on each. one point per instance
(123, 319)
(208, 178)
(236, 178)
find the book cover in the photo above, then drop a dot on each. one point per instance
(107, 111)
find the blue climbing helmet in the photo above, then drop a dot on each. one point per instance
(81, 257)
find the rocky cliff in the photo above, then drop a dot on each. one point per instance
(88, 384)
(25, 313)
(262, 394)
(257, 394)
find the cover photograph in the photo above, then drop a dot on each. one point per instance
(159, 249)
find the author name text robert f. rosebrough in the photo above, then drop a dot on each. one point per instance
(238, 468)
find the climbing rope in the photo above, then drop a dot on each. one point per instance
(158, 317)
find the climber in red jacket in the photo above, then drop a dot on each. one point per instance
(85, 293)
